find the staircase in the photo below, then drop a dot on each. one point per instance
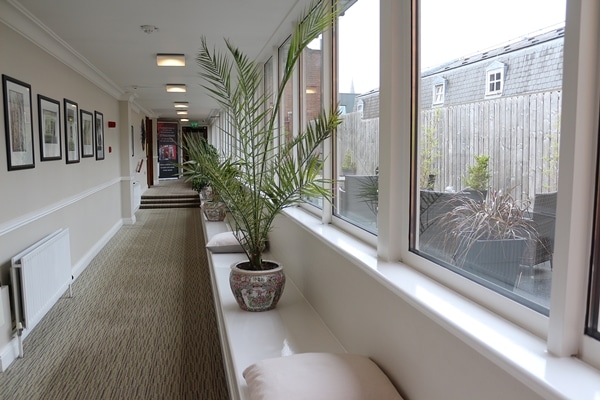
(170, 201)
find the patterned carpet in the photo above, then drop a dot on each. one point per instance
(141, 324)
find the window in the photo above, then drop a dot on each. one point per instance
(593, 315)
(286, 116)
(495, 78)
(357, 139)
(311, 90)
(487, 168)
(439, 91)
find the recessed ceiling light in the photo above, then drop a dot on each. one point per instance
(181, 104)
(182, 112)
(184, 119)
(176, 88)
(170, 60)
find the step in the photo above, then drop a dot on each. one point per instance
(172, 197)
(169, 201)
(169, 205)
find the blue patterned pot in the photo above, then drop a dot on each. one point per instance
(257, 290)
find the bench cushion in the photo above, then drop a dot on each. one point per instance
(319, 376)
(224, 242)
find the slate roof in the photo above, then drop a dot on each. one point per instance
(533, 64)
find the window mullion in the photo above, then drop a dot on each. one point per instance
(575, 200)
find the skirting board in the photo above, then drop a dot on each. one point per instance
(10, 351)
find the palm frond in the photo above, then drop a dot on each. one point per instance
(259, 180)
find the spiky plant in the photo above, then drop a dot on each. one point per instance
(498, 216)
(259, 179)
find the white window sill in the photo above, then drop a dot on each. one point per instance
(291, 328)
(518, 352)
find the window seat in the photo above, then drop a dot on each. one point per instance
(246, 337)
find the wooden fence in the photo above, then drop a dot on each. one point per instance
(520, 134)
(359, 138)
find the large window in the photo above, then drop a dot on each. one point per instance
(593, 317)
(286, 115)
(311, 90)
(357, 141)
(487, 160)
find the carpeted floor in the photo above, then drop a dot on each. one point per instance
(141, 324)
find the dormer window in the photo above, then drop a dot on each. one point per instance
(494, 80)
(439, 92)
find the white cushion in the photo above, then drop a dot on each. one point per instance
(319, 376)
(224, 242)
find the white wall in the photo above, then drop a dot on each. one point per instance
(423, 359)
(84, 197)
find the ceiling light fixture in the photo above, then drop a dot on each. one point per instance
(182, 112)
(181, 104)
(148, 28)
(176, 88)
(184, 120)
(170, 60)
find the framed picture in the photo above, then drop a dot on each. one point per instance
(49, 128)
(87, 134)
(17, 124)
(99, 133)
(71, 132)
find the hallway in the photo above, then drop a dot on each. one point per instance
(140, 325)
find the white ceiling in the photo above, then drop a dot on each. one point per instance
(107, 34)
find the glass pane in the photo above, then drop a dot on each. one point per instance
(268, 82)
(593, 316)
(488, 167)
(312, 90)
(285, 110)
(357, 141)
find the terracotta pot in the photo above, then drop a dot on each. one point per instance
(257, 290)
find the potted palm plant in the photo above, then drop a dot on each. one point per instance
(194, 172)
(262, 179)
(487, 236)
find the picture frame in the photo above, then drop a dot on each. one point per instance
(99, 135)
(50, 130)
(71, 113)
(87, 133)
(17, 124)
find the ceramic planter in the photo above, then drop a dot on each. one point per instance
(214, 211)
(257, 290)
(206, 193)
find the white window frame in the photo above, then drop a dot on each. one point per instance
(491, 76)
(563, 330)
(439, 92)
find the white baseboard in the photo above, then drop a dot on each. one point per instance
(10, 351)
(82, 264)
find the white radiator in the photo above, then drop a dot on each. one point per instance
(40, 275)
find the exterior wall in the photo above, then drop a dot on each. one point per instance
(84, 197)
(532, 69)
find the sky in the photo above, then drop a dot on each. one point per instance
(450, 29)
